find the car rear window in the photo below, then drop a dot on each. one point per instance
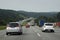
(49, 24)
(13, 24)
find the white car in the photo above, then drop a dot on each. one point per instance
(48, 27)
(13, 28)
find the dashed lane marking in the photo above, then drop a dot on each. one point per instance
(38, 34)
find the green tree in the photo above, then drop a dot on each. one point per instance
(58, 16)
(9, 16)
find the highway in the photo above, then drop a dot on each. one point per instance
(32, 33)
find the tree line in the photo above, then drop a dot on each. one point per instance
(9, 16)
(55, 18)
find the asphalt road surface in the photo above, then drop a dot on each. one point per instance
(32, 33)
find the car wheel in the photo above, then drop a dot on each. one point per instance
(52, 30)
(21, 33)
(6, 33)
(46, 30)
(43, 31)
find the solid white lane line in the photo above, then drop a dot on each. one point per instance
(38, 34)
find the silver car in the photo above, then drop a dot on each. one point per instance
(13, 28)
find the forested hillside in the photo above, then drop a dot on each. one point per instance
(9, 16)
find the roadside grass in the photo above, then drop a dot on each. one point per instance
(2, 27)
(24, 23)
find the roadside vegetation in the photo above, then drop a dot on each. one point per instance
(7, 16)
(53, 19)
(2, 27)
(24, 23)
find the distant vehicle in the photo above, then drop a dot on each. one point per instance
(13, 28)
(32, 23)
(48, 27)
(57, 24)
(41, 23)
(28, 25)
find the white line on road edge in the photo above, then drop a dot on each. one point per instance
(38, 34)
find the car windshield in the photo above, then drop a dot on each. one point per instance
(49, 24)
(13, 24)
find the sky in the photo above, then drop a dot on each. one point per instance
(31, 5)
